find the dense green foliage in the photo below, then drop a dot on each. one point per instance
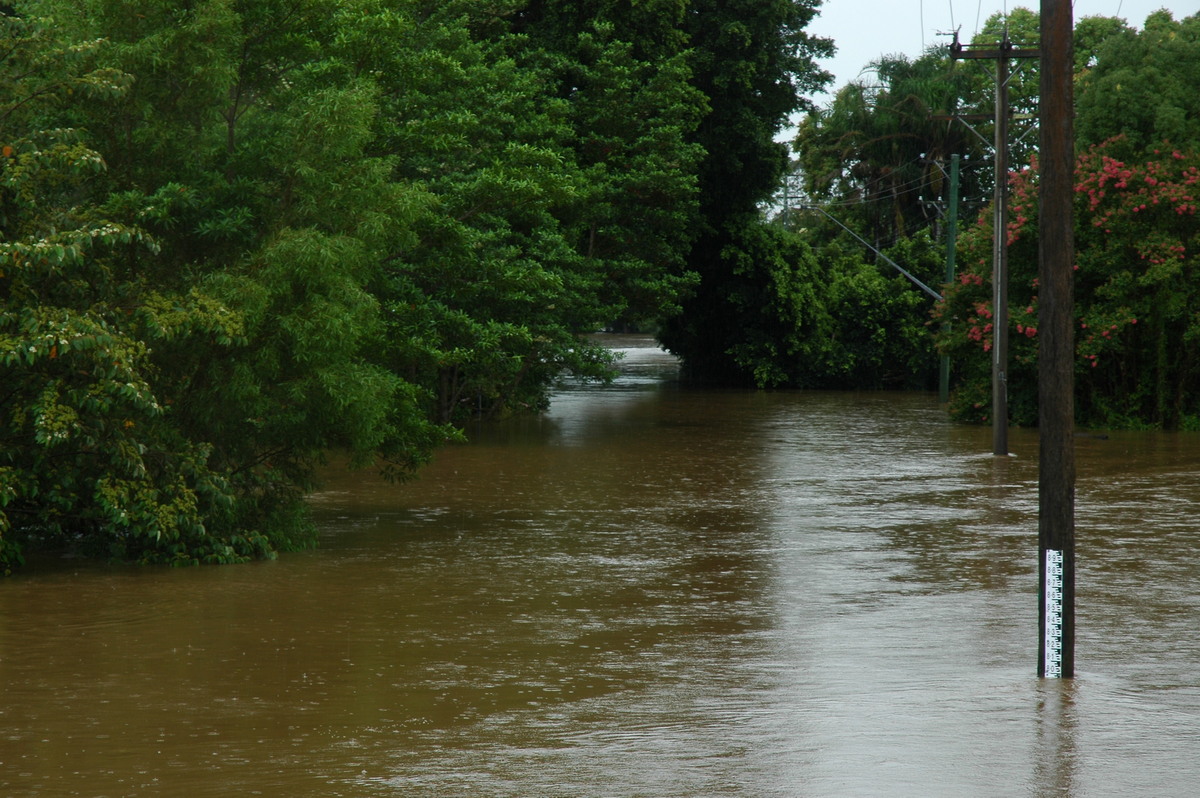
(238, 235)
(755, 63)
(877, 155)
(187, 325)
(1137, 243)
(1141, 84)
(880, 152)
(876, 160)
(85, 441)
(1138, 337)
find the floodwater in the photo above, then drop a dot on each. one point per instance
(647, 592)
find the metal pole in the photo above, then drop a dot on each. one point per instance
(1003, 53)
(951, 248)
(1000, 262)
(1056, 348)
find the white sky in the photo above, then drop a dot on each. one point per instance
(863, 30)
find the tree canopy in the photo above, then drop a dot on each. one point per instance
(237, 236)
(757, 64)
(876, 158)
(1136, 241)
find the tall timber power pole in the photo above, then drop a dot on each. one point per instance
(1056, 345)
(1056, 310)
(1002, 53)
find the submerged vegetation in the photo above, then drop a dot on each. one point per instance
(236, 235)
(878, 158)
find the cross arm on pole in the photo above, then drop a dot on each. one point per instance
(993, 54)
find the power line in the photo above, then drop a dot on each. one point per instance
(879, 198)
(912, 278)
(876, 186)
(876, 190)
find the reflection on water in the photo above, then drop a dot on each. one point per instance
(648, 591)
(1056, 732)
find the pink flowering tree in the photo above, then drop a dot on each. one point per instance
(1137, 296)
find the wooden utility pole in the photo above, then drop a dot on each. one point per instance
(1056, 347)
(1001, 53)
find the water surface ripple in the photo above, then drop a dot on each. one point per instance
(648, 592)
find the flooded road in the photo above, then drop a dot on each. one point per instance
(648, 592)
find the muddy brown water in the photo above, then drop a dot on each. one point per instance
(647, 592)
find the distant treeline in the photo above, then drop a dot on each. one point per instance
(878, 158)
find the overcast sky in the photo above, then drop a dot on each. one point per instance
(863, 30)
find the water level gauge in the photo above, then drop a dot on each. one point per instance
(1053, 642)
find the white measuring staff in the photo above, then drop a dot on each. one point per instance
(1053, 643)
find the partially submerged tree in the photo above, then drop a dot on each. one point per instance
(1138, 241)
(756, 64)
(90, 452)
(284, 227)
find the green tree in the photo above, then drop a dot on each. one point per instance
(1091, 34)
(1137, 240)
(287, 215)
(242, 153)
(631, 111)
(485, 296)
(1142, 84)
(831, 318)
(553, 188)
(880, 153)
(90, 455)
(876, 158)
(754, 61)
